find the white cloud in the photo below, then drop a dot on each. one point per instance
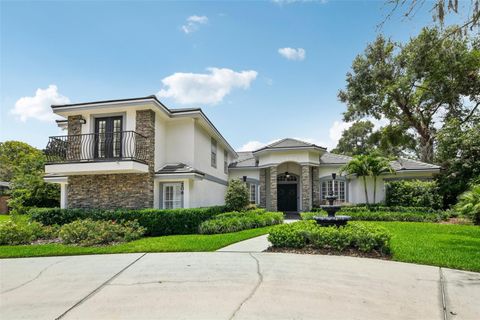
(252, 145)
(205, 88)
(38, 106)
(292, 53)
(336, 130)
(193, 23)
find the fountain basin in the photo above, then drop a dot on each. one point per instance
(329, 221)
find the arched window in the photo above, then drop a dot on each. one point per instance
(338, 187)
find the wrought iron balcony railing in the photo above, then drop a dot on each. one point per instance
(108, 146)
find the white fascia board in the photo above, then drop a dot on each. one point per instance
(178, 176)
(55, 179)
(104, 167)
(92, 106)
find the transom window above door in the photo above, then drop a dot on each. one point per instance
(287, 177)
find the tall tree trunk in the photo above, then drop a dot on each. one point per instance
(426, 147)
(365, 187)
(374, 189)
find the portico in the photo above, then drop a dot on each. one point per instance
(289, 179)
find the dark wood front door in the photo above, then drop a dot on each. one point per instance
(287, 197)
(108, 137)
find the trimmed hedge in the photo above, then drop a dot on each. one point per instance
(374, 208)
(413, 193)
(156, 222)
(394, 213)
(237, 221)
(362, 237)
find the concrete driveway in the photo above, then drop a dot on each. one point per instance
(226, 285)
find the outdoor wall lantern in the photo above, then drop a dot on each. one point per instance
(287, 175)
(334, 175)
(244, 178)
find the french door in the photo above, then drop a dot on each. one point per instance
(108, 137)
(172, 196)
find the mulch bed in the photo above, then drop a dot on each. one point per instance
(330, 252)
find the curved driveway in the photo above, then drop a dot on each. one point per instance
(226, 285)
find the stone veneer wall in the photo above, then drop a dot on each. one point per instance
(263, 188)
(273, 189)
(306, 188)
(110, 191)
(121, 190)
(316, 187)
(74, 128)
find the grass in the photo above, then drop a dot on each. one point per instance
(178, 243)
(444, 245)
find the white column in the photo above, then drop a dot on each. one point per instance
(156, 194)
(186, 193)
(63, 195)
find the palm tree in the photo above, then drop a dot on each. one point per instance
(378, 165)
(469, 204)
(359, 166)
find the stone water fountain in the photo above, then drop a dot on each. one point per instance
(331, 219)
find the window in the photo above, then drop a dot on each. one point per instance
(253, 193)
(337, 187)
(214, 153)
(172, 195)
(225, 161)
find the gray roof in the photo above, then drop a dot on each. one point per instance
(245, 159)
(332, 158)
(409, 164)
(178, 168)
(288, 143)
(398, 165)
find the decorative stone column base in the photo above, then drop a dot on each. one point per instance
(273, 189)
(306, 188)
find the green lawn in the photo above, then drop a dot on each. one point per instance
(452, 246)
(444, 245)
(178, 243)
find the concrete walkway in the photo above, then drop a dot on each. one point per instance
(226, 285)
(257, 244)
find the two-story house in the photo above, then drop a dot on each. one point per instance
(137, 153)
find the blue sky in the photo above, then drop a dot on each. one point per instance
(260, 70)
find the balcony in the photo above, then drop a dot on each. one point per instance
(95, 153)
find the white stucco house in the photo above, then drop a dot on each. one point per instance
(137, 153)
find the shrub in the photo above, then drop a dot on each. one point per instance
(237, 195)
(397, 216)
(156, 222)
(291, 235)
(89, 232)
(362, 237)
(469, 204)
(413, 193)
(310, 215)
(19, 232)
(236, 221)
(374, 208)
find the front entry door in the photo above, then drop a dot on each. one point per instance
(108, 137)
(287, 197)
